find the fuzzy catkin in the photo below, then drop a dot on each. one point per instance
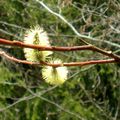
(55, 76)
(36, 36)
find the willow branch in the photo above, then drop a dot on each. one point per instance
(2, 53)
(54, 48)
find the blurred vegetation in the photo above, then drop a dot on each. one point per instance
(91, 92)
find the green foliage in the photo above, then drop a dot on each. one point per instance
(91, 92)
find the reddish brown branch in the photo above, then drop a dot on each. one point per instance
(43, 48)
(54, 48)
(58, 64)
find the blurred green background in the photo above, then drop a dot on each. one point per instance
(91, 92)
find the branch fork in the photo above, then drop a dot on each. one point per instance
(114, 58)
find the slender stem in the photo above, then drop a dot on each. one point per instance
(73, 28)
(54, 48)
(81, 63)
(43, 48)
(59, 64)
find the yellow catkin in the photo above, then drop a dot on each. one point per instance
(36, 36)
(55, 76)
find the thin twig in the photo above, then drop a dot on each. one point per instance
(94, 103)
(18, 101)
(54, 48)
(58, 106)
(26, 98)
(59, 64)
(72, 27)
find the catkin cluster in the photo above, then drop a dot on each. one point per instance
(52, 75)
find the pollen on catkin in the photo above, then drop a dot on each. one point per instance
(36, 36)
(55, 76)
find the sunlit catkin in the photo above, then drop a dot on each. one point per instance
(55, 75)
(36, 36)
